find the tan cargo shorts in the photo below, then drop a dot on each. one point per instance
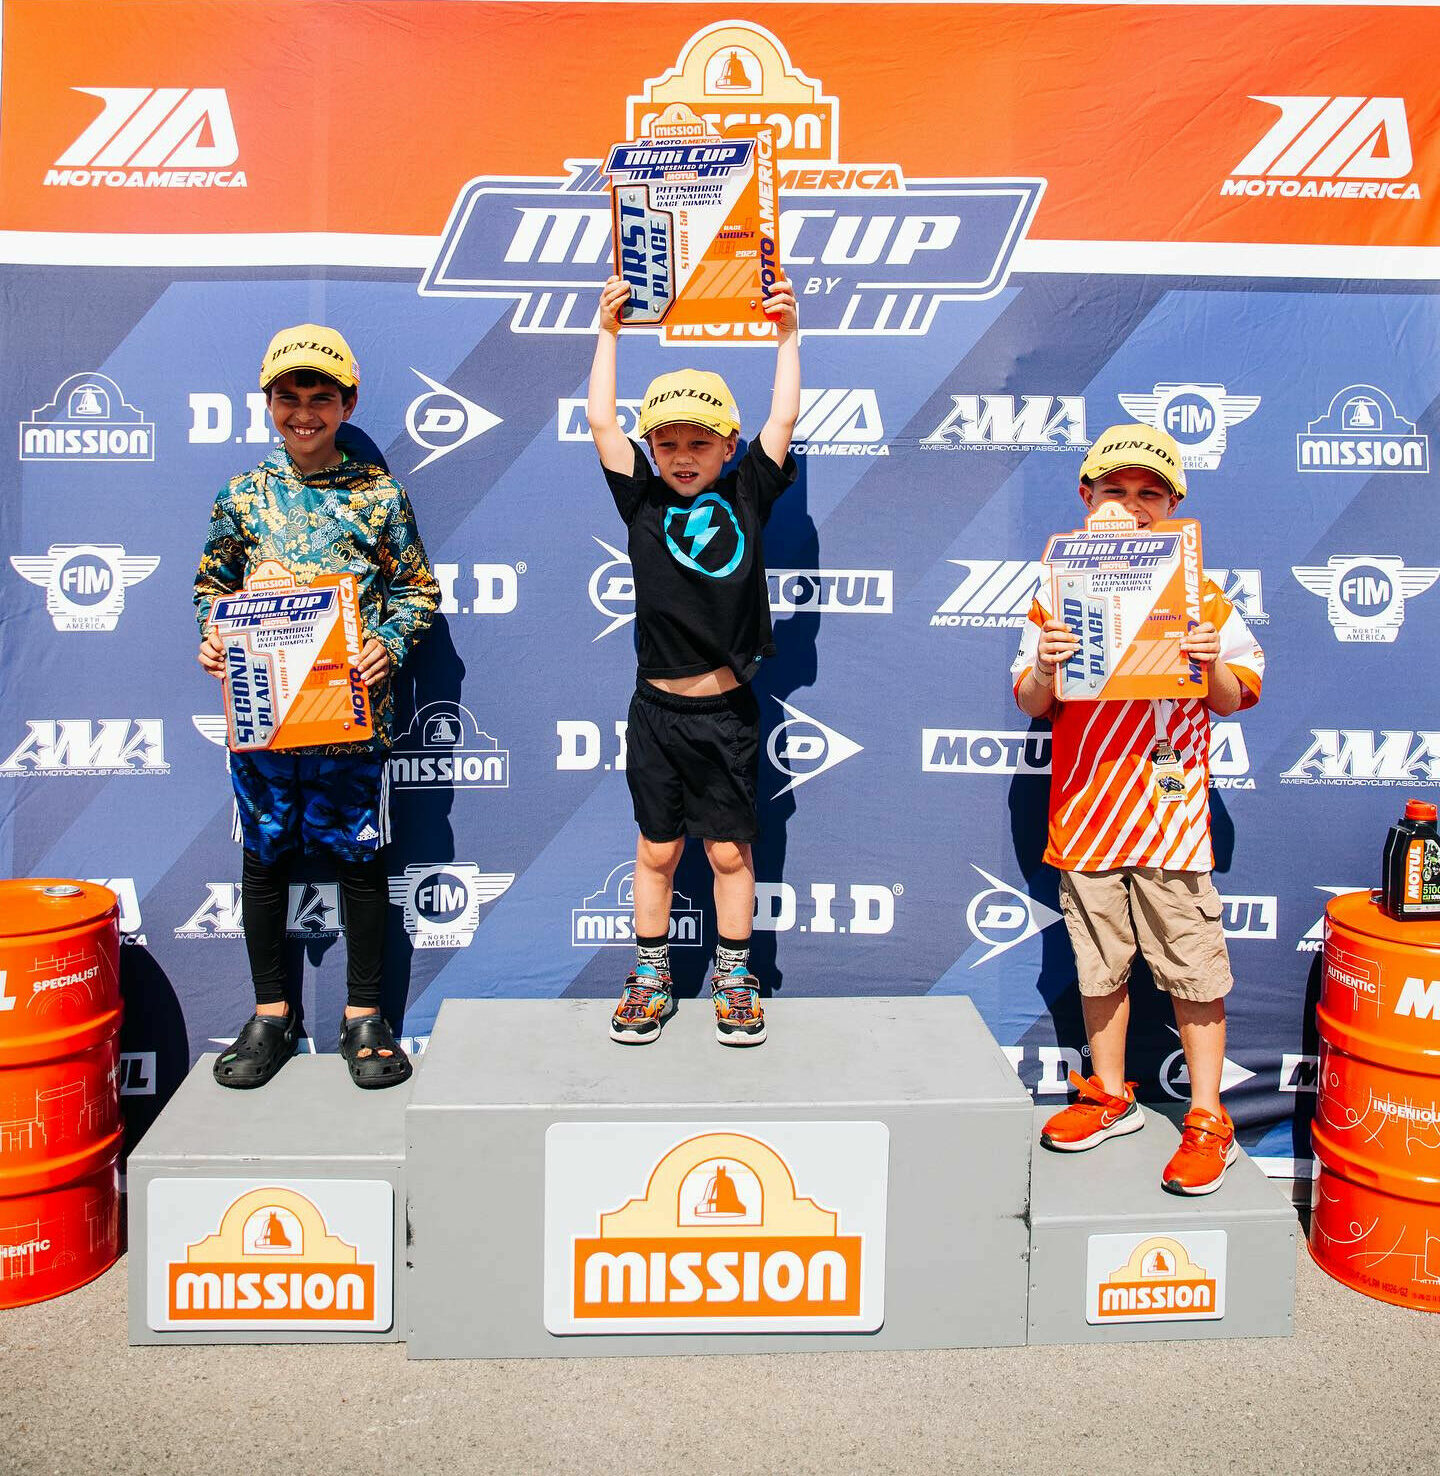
(1172, 917)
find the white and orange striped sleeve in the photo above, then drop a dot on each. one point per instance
(1029, 642)
(1239, 649)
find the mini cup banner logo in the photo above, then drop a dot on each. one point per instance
(754, 1227)
(84, 583)
(297, 1253)
(1155, 1278)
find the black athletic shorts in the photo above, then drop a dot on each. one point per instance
(693, 764)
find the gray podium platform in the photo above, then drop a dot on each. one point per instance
(870, 1177)
(502, 1079)
(213, 1145)
(1096, 1217)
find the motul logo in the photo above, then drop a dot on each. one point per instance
(1351, 148)
(154, 137)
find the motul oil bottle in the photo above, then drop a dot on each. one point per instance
(1410, 868)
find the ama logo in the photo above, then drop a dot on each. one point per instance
(1198, 416)
(442, 900)
(1365, 594)
(1362, 431)
(705, 536)
(84, 583)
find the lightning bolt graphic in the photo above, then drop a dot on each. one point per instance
(698, 529)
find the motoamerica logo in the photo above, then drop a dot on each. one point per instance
(832, 422)
(871, 252)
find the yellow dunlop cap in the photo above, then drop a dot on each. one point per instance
(689, 397)
(1136, 445)
(309, 346)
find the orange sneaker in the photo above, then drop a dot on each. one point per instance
(1207, 1148)
(1092, 1117)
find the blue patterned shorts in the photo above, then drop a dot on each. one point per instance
(288, 802)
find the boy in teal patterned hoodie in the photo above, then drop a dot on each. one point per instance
(316, 511)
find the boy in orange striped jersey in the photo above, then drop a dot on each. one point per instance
(1130, 835)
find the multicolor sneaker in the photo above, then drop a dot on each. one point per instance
(739, 1019)
(1092, 1117)
(644, 1007)
(1207, 1148)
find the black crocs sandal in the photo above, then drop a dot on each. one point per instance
(263, 1046)
(372, 1033)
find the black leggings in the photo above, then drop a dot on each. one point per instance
(264, 893)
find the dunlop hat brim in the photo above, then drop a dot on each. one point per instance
(689, 397)
(1139, 446)
(309, 346)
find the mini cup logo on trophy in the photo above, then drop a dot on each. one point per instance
(291, 653)
(695, 222)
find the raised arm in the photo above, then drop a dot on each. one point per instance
(785, 398)
(616, 453)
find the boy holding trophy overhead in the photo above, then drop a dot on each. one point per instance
(308, 513)
(1129, 826)
(702, 626)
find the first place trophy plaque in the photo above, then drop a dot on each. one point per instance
(695, 227)
(291, 652)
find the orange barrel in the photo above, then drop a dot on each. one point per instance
(60, 1126)
(1375, 1218)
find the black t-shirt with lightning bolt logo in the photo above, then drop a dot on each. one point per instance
(701, 600)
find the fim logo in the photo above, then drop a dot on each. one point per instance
(1158, 1278)
(88, 420)
(442, 420)
(1330, 148)
(445, 748)
(719, 1231)
(832, 591)
(993, 423)
(980, 751)
(1242, 588)
(77, 746)
(1365, 595)
(272, 1262)
(1198, 416)
(1362, 431)
(154, 138)
(442, 900)
(994, 593)
(1353, 756)
(802, 748)
(84, 583)
(612, 590)
(607, 917)
(1000, 918)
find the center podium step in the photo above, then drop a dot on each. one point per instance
(859, 1180)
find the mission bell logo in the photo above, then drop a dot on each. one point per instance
(1155, 1278)
(720, 1234)
(272, 1260)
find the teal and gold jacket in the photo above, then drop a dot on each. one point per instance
(349, 519)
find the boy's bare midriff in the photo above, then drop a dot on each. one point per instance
(707, 684)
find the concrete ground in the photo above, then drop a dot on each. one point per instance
(1354, 1391)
